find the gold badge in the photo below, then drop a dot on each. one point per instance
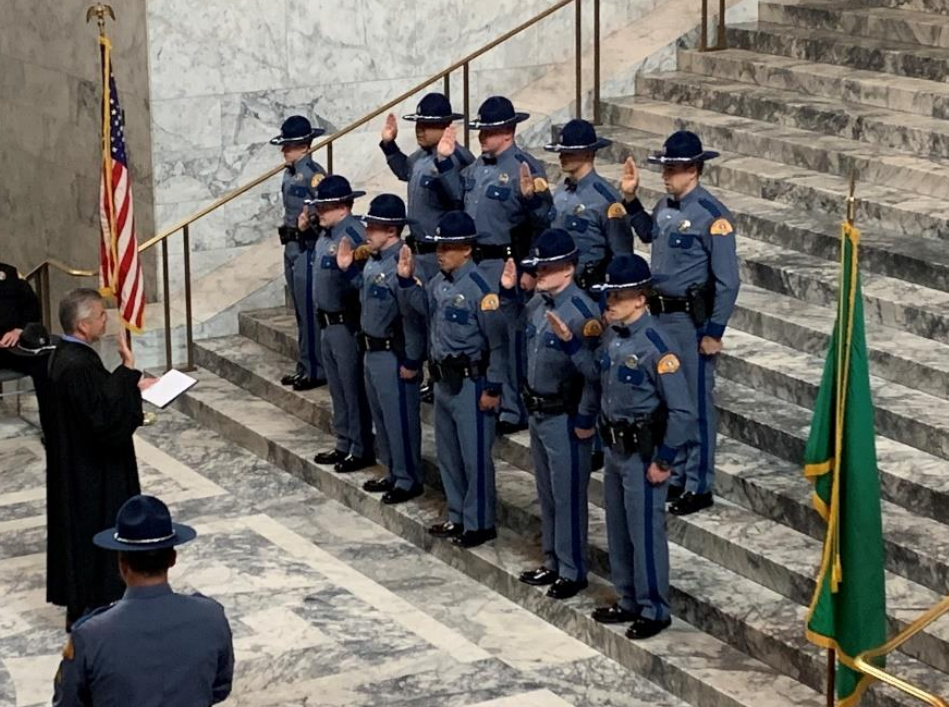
(490, 302)
(592, 328)
(380, 278)
(317, 178)
(458, 301)
(684, 226)
(504, 177)
(616, 210)
(579, 209)
(331, 250)
(668, 364)
(3, 276)
(721, 227)
(632, 361)
(362, 252)
(540, 184)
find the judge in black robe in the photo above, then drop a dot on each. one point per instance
(91, 457)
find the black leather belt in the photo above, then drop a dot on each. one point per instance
(327, 319)
(374, 343)
(447, 369)
(495, 252)
(539, 404)
(660, 304)
(640, 436)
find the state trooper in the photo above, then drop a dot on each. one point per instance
(647, 415)
(560, 436)
(394, 346)
(695, 266)
(505, 191)
(468, 340)
(428, 200)
(585, 205)
(153, 647)
(300, 179)
(338, 317)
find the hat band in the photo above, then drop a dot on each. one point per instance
(538, 259)
(390, 219)
(494, 124)
(625, 285)
(473, 236)
(680, 159)
(416, 116)
(147, 541)
(48, 347)
(577, 147)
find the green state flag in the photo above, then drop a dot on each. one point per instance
(848, 611)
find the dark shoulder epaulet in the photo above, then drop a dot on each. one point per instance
(95, 612)
(657, 341)
(711, 207)
(582, 307)
(480, 282)
(606, 191)
(354, 235)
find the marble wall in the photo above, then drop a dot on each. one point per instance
(224, 74)
(49, 141)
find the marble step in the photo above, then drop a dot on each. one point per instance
(745, 540)
(895, 355)
(705, 592)
(692, 664)
(910, 478)
(939, 7)
(910, 26)
(788, 145)
(911, 416)
(843, 49)
(841, 83)
(880, 127)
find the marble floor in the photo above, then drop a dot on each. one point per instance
(326, 607)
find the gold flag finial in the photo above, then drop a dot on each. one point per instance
(851, 199)
(99, 11)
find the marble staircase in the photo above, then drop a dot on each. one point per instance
(808, 93)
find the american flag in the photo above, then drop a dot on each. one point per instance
(120, 271)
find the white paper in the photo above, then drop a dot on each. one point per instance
(168, 387)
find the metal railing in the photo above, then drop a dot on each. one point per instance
(721, 42)
(40, 275)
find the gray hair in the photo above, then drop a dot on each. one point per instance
(76, 306)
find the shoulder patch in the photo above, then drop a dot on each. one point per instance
(362, 252)
(616, 210)
(592, 328)
(668, 364)
(657, 341)
(721, 227)
(582, 307)
(540, 184)
(490, 302)
(480, 282)
(69, 652)
(315, 180)
(606, 191)
(711, 207)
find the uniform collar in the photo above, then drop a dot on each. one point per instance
(558, 299)
(152, 592)
(686, 200)
(391, 251)
(341, 226)
(292, 168)
(627, 330)
(460, 272)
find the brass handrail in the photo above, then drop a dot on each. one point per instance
(41, 272)
(721, 42)
(863, 664)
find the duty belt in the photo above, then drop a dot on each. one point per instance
(327, 319)
(540, 404)
(495, 252)
(374, 343)
(640, 436)
(447, 369)
(661, 304)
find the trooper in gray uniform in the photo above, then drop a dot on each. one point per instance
(585, 205)
(394, 345)
(505, 191)
(647, 415)
(468, 339)
(428, 200)
(338, 317)
(695, 267)
(300, 179)
(561, 438)
(153, 647)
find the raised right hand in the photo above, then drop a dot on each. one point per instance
(344, 253)
(406, 266)
(303, 220)
(630, 180)
(390, 131)
(446, 146)
(125, 353)
(509, 275)
(557, 325)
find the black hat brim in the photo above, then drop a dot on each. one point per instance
(182, 534)
(518, 118)
(705, 156)
(598, 145)
(336, 199)
(281, 140)
(450, 118)
(33, 353)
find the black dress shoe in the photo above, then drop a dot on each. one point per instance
(427, 392)
(508, 428)
(377, 485)
(304, 383)
(290, 379)
(400, 495)
(473, 538)
(675, 493)
(690, 503)
(329, 457)
(646, 628)
(446, 530)
(566, 588)
(540, 577)
(596, 461)
(351, 463)
(614, 615)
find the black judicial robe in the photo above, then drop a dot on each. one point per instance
(91, 472)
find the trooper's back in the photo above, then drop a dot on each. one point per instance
(153, 648)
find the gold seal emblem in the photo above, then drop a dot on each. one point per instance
(721, 227)
(616, 210)
(592, 328)
(362, 252)
(668, 364)
(540, 184)
(314, 182)
(490, 302)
